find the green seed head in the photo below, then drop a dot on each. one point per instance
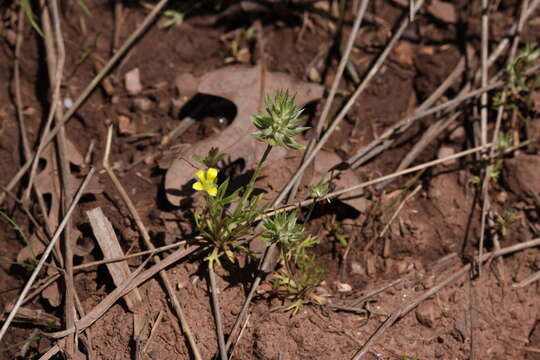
(280, 123)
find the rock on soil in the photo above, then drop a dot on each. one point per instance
(522, 175)
(427, 313)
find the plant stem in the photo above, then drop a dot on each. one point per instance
(217, 313)
(250, 186)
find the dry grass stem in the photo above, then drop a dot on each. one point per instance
(217, 313)
(153, 331)
(394, 216)
(17, 85)
(532, 278)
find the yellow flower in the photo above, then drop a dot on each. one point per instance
(207, 182)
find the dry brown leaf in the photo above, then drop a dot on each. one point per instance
(241, 85)
(32, 250)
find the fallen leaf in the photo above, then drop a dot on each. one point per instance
(32, 250)
(241, 85)
(52, 292)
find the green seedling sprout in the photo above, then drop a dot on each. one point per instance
(174, 18)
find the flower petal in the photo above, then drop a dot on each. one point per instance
(211, 175)
(212, 191)
(200, 175)
(198, 186)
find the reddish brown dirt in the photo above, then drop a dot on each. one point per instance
(473, 317)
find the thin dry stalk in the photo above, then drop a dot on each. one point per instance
(484, 74)
(406, 122)
(153, 331)
(240, 335)
(146, 237)
(427, 137)
(55, 65)
(55, 59)
(87, 91)
(399, 313)
(46, 254)
(394, 216)
(529, 280)
(484, 120)
(55, 349)
(372, 293)
(17, 84)
(217, 313)
(423, 166)
(337, 193)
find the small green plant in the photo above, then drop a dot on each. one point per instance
(226, 220)
(174, 18)
(27, 8)
(238, 45)
(506, 221)
(334, 229)
(300, 274)
(505, 141)
(319, 190)
(516, 98)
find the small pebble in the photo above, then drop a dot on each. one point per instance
(446, 151)
(68, 103)
(343, 287)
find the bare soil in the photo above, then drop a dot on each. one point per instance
(479, 315)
